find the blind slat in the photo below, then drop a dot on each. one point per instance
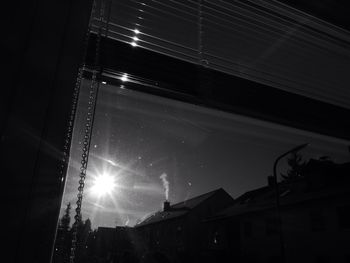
(264, 41)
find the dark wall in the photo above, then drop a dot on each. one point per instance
(42, 50)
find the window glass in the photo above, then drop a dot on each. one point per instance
(163, 175)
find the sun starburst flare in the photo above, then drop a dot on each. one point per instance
(103, 185)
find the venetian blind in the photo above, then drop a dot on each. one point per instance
(260, 40)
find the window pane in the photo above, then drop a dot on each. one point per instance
(173, 182)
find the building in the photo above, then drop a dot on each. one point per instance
(315, 216)
(117, 244)
(175, 233)
(213, 227)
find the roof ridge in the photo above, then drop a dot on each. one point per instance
(210, 192)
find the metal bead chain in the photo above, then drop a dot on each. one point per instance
(74, 105)
(69, 134)
(71, 118)
(93, 92)
(84, 162)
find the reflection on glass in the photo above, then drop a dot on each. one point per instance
(124, 77)
(173, 182)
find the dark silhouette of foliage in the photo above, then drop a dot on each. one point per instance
(65, 220)
(85, 239)
(63, 238)
(84, 233)
(296, 166)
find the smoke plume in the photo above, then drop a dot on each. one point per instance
(127, 221)
(163, 177)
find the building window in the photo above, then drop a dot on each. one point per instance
(271, 226)
(247, 228)
(179, 233)
(216, 237)
(344, 216)
(317, 222)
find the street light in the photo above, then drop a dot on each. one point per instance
(294, 150)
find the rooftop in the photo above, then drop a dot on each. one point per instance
(321, 179)
(178, 209)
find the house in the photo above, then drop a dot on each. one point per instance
(314, 212)
(175, 233)
(117, 244)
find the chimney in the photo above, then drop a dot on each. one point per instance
(166, 206)
(271, 181)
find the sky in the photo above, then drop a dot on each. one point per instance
(156, 149)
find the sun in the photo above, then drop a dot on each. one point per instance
(103, 184)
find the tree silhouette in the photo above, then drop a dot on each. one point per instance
(296, 166)
(63, 238)
(85, 246)
(83, 234)
(65, 220)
